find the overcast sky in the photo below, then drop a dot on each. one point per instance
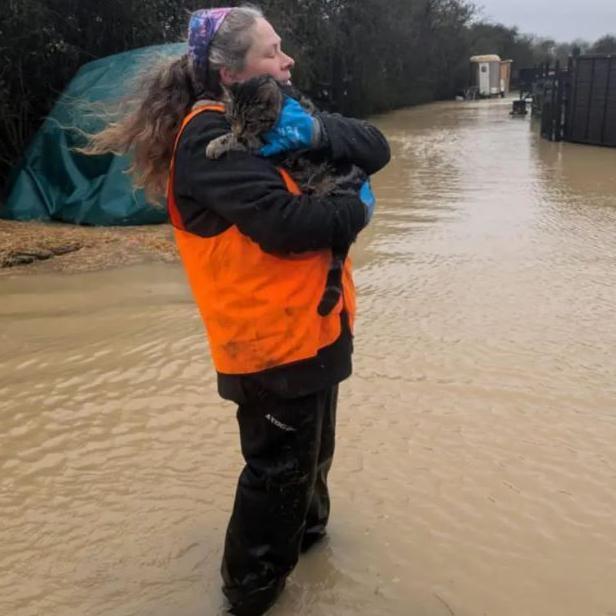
(563, 20)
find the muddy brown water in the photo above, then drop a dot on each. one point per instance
(476, 465)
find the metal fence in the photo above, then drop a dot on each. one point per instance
(552, 100)
(592, 105)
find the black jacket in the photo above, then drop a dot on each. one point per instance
(247, 191)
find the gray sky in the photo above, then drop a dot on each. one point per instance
(563, 20)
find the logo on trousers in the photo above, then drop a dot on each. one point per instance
(279, 424)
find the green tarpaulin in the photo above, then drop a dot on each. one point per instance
(55, 183)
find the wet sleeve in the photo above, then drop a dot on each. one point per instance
(248, 191)
(355, 141)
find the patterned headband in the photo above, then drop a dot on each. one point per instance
(202, 28)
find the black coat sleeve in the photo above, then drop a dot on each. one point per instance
(248, 191)
(355, 141)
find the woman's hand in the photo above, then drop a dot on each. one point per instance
(295, 129)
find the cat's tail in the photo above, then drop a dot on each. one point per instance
(333, 287)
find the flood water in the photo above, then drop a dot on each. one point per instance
(475, 472)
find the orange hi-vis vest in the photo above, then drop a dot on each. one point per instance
(259, 309)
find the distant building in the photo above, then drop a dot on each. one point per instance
(490, 75)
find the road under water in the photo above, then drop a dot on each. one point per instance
(476, 465)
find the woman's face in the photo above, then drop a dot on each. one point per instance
(265, 57)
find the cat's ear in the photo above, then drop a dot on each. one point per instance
(228, 99)
(268, 90)
(232, 90)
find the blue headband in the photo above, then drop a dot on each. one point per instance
(202, 27)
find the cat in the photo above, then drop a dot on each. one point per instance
(252, 108)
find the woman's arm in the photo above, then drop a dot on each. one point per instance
(355, 141)
(247, 191)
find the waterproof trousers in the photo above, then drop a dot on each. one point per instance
(282, 501)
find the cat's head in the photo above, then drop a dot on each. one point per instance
(253, 106)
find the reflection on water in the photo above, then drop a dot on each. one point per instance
(476, 467)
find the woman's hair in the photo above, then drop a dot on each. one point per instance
(163, 96)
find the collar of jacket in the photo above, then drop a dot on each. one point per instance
(204, 102)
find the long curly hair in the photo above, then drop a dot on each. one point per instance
(148, 119)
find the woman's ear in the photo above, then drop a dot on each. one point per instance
(227, 76)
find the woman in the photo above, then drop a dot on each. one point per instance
(256, 253)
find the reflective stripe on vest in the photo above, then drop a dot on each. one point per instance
(259, 309)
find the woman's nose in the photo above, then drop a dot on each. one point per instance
(288, 62)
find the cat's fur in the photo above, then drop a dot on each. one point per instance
(252, 109)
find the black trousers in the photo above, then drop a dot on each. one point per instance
(282, 501)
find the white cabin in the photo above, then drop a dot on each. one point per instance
(491, 75)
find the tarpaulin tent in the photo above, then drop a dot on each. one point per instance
(53, 182)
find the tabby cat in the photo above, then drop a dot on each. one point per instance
(252, 108)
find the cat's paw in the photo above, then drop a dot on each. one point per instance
(219, 146)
